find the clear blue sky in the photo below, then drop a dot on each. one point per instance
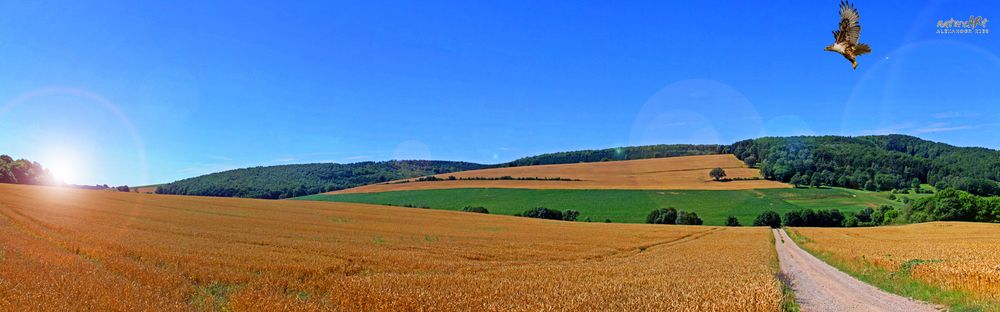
(131, 92)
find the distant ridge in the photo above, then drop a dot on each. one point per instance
(877, 162)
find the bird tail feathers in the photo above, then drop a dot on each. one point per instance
(862, 49)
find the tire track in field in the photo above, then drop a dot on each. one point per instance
(680, 240)
(821, 287)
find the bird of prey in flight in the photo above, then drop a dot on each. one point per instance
(846, 37)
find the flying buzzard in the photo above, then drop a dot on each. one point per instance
(846, 38)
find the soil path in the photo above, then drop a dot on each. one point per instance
(821, 287)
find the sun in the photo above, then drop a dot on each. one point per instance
(63, 170)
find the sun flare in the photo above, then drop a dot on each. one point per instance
(64, 170)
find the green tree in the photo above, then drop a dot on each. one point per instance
(688, 218)
(732, 221)
(662, 216)
(797, 180)
(571, 215)
(768, 218)
(717, 173)
(751, 161)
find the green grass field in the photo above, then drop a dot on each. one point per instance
(629, 206)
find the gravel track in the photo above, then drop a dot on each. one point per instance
(821, 287)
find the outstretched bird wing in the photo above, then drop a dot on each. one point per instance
(850, 29)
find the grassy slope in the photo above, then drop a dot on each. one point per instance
(627, 205)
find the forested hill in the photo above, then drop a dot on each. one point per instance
(881, 162)
(619, 153)
(286, 181)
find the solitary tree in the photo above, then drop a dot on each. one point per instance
(717, 173)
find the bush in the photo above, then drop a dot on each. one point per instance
(732, 221)
(570, 215)
(476, 209)
(768, 218)
(662, 216)
(688, 218)
(543, 213)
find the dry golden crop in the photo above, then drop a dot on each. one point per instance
(674, 173)
(64, 249)
(954, 255)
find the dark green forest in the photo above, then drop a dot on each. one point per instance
(276, 182)
(23, 171)
(874, 163)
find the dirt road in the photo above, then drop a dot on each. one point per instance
(821, 287)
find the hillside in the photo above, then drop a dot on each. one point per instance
(673, 173)
(286, 181)
(65, 249)
(873, 162)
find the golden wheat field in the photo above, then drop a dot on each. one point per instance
(63, 249)
(954, 255)
(673, 173)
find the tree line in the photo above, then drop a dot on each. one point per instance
(945, 205)
(23, 171)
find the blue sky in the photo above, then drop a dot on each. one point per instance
(133, 93)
